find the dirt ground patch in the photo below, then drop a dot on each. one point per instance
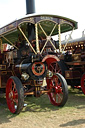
(40, 113)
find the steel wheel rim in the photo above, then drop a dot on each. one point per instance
(12, 95)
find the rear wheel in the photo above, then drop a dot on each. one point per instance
(83, 83)
(58, 67)
(14, 94)
(59, 90)
(55, 68)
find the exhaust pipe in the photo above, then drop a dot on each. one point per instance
(30, 6)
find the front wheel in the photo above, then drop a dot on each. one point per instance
(58, 94)
(14, 94)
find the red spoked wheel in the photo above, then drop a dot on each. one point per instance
(58, 94)
(14, 94)
(58, 67)
(54, 67)
(83, 83)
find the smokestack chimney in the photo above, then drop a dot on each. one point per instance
(30, 6)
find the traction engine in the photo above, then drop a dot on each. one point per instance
(29, 60)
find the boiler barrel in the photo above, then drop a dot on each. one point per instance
(30, 6)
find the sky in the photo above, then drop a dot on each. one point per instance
(11, 10)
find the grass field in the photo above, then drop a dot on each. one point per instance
(40, 113)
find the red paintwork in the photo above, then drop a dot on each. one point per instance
(56, 92)
(50, 59)
(34, 71)
(11, 95)
(83, 83)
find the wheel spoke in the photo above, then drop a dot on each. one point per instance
(15, 101)
(52, 67)
(54, 96)
(59, 71)
(14, 85)
(11, 87)
(14, 92)
(59, 98)
(57, 84)
(51, 84)
(15, 95)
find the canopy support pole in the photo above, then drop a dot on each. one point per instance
(27, 39)
(68, 39)
(8, 41)
(37, 43)
(59, 37)
(48, 37)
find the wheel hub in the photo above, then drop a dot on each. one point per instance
(57, 90)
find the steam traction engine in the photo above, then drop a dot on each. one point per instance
(31, 57)
(74, 62)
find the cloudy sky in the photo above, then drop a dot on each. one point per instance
(11, 10)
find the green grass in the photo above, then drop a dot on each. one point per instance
(41, 106)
